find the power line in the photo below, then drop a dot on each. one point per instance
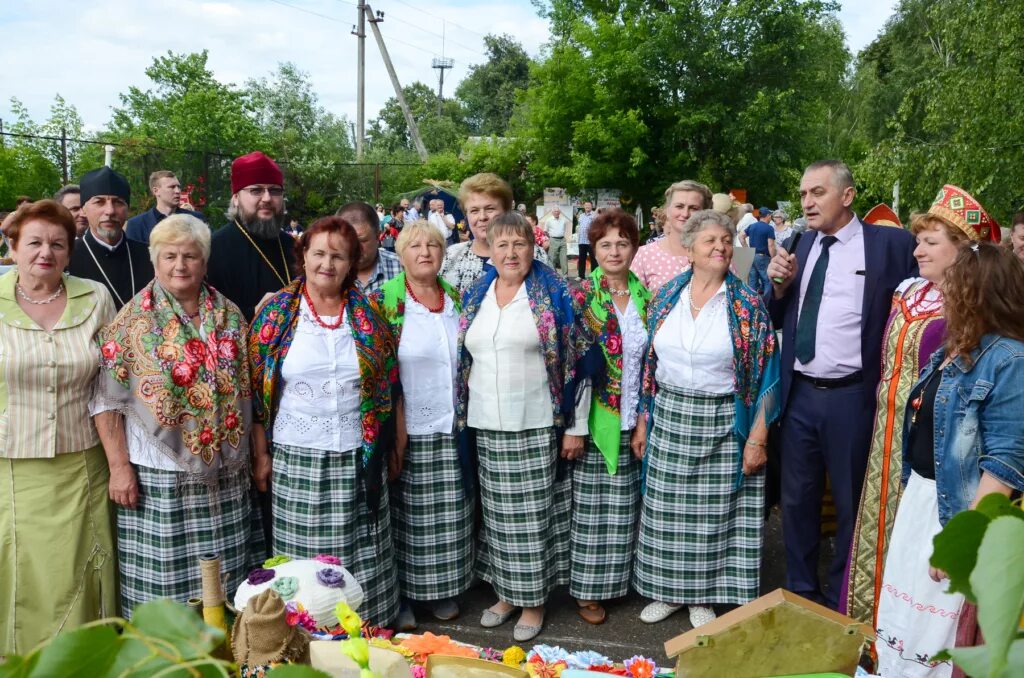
(421, 11)
(309, 11)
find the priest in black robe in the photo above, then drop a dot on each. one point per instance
(252, 256)
(103, 253)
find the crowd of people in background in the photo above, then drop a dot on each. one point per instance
(434, 401)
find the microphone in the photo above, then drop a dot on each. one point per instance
(790, 247)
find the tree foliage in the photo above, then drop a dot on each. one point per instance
(444, 131)
(937, 102)
(490, 91)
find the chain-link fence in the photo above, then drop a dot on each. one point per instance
(312, 188)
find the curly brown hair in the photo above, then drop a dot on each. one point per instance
(983, 291)
(330, 225)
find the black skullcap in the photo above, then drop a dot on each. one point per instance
(104, 181)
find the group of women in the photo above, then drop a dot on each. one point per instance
(613, 432)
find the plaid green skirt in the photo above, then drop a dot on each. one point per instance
(700, 537)
(317, 509)
(432, 519)
(605, 509)
(160, 540)
(525, 515)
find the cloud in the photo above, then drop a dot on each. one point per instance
(91, 51)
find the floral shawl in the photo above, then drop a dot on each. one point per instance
(391, 300)
(271, 336)
(189, 394)
(754, 347)
(605, 421)
(562, 338)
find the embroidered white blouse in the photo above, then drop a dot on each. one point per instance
(508, 383)
(634, 345)
(696, 353)
(319, 406)
(427, 366)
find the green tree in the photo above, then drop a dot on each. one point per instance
(30, 164)
(941, 87)
(445, 132)
(636, 94)
(309, 142)
(489, 93)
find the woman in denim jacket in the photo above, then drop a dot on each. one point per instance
(963, 439)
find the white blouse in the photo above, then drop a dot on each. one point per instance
(508, 383)
(696, 353)
(634, 345)
(319, 406)
(427, 366)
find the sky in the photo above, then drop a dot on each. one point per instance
(89, 51)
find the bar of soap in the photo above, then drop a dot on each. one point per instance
(326, 655)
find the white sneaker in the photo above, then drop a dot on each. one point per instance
(699, 616)
(658, 611)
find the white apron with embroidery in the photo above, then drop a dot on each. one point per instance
(916, 617)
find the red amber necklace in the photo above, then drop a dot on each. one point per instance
(438, 309)
(316, 316)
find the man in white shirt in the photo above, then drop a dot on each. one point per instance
(746, 219)
(557, 227)
(444, 223)
(411, 213)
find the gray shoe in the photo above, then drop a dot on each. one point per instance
(445, 610)
(406, 620)
(490, 619)
(524, 632)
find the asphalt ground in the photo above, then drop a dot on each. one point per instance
(621, 636)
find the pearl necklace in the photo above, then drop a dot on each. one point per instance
(618, 293)
(39, 302)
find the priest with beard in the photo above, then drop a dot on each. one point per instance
(252, 255)
(103, 253)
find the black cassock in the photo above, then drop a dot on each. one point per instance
(124, 270)
(239, 272)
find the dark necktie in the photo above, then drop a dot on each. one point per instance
(807, 325)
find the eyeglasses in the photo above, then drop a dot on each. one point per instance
(258, 191)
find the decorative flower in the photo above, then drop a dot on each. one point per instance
(286, 587)
(267, 333)
(586, 658)
(231, 421)
(207, 436)
(428, 644)
(388, 645)
(168, 351)
(200, 396)
(513, 656)
(328, 559)
(331, 578)
(195, 351)
(418, 671)
(542, 669)
(614, 344)
(275, 561)
(549, 653)
(110, 350)
(259, 576)
(348, 619)
(639, 666)
(183, 374)
(608, 668)
(490, 654)
(147, 300)
(297, 615)
(227, 349)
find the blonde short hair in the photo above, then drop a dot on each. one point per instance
(177, 229)
(689, 186)
(415, 229)
(698, 221)
(487, 183)
(925, 221)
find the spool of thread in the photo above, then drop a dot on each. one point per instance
(213, 599)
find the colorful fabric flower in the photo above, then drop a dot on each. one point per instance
(331, 578)
(297, 615)
(639, 666)
(427, 644)
(260, 576)
(513, 656)
(275, 561)
(490, 654)
(585, 659)
(549, 654)
(286, 587)
(538, 668)
(418, 671)
(328, 559)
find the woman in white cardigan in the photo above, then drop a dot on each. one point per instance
(519, 340)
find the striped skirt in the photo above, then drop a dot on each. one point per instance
(700, 537)
(318, 509)
(159, 541)
(605, 509)
(525, 515)
(432, 519)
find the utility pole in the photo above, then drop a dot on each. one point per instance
(359, 30)
(414, 131)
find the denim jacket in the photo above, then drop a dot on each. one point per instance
(979, 422)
